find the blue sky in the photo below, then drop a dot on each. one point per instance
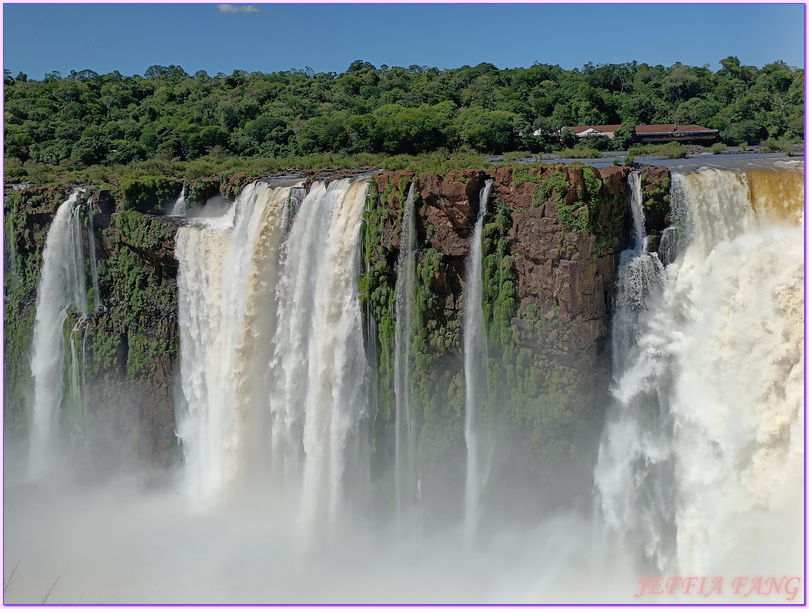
(39, 38)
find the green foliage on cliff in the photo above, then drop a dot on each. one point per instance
(436, 373)
(542, 383)
(580, 215)
(87, 119)
(437, 394)
(522, 174)
(18, 384)
(141, 232)
(148, 193)
(574, 216)
(537, 391)
(377, 288)
(499, 278)
(139, 298)
(656, 197)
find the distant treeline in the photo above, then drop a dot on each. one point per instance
(86, 119)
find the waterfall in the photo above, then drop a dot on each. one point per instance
(636, 207)
(61, 286)
(669, 245)
(701, 462)
(639, 274)
(224, 263)
(302, 254)
(405, 469)
(179, 207)
(476, 363)
(273, 366)
(319, 393)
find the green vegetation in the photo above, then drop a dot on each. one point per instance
(669, 150)
(718, 148)
(516, 156)
(138, 296)
(539, 398)
(656, 196)
(144, 179)
(377, 288)
(83, 128)
(542, 386)
(147, 193)
(785, 145)
(579, 152)
(574, 216)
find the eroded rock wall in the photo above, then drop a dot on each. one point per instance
(552, 237)
(551, 243)
(126, 350)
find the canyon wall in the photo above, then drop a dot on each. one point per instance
(552, 238)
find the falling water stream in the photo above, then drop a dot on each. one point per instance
(404, 458)
(61, 286)
(701, 461)
(272, 325)
(179, 207)
(476, 364)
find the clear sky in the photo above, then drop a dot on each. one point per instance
(40, 38)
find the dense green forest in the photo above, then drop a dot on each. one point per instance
(87, 119)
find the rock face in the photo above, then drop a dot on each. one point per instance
(128, 348)
(552, 236)
(131, 346)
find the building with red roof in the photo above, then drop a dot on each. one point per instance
(650, 134)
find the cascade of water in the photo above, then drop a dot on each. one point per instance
(476, 363)
(224, 263)
(404, 457)
(639, 274)
(669, 245)
(301, 256)
(700, 460)
(60, 286)
(318, 398)
(97, 305)
(179, 207)
(266, 315)
(297, 194)
(636, 207)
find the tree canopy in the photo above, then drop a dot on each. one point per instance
(87, 118)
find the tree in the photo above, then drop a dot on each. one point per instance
(624, 136)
